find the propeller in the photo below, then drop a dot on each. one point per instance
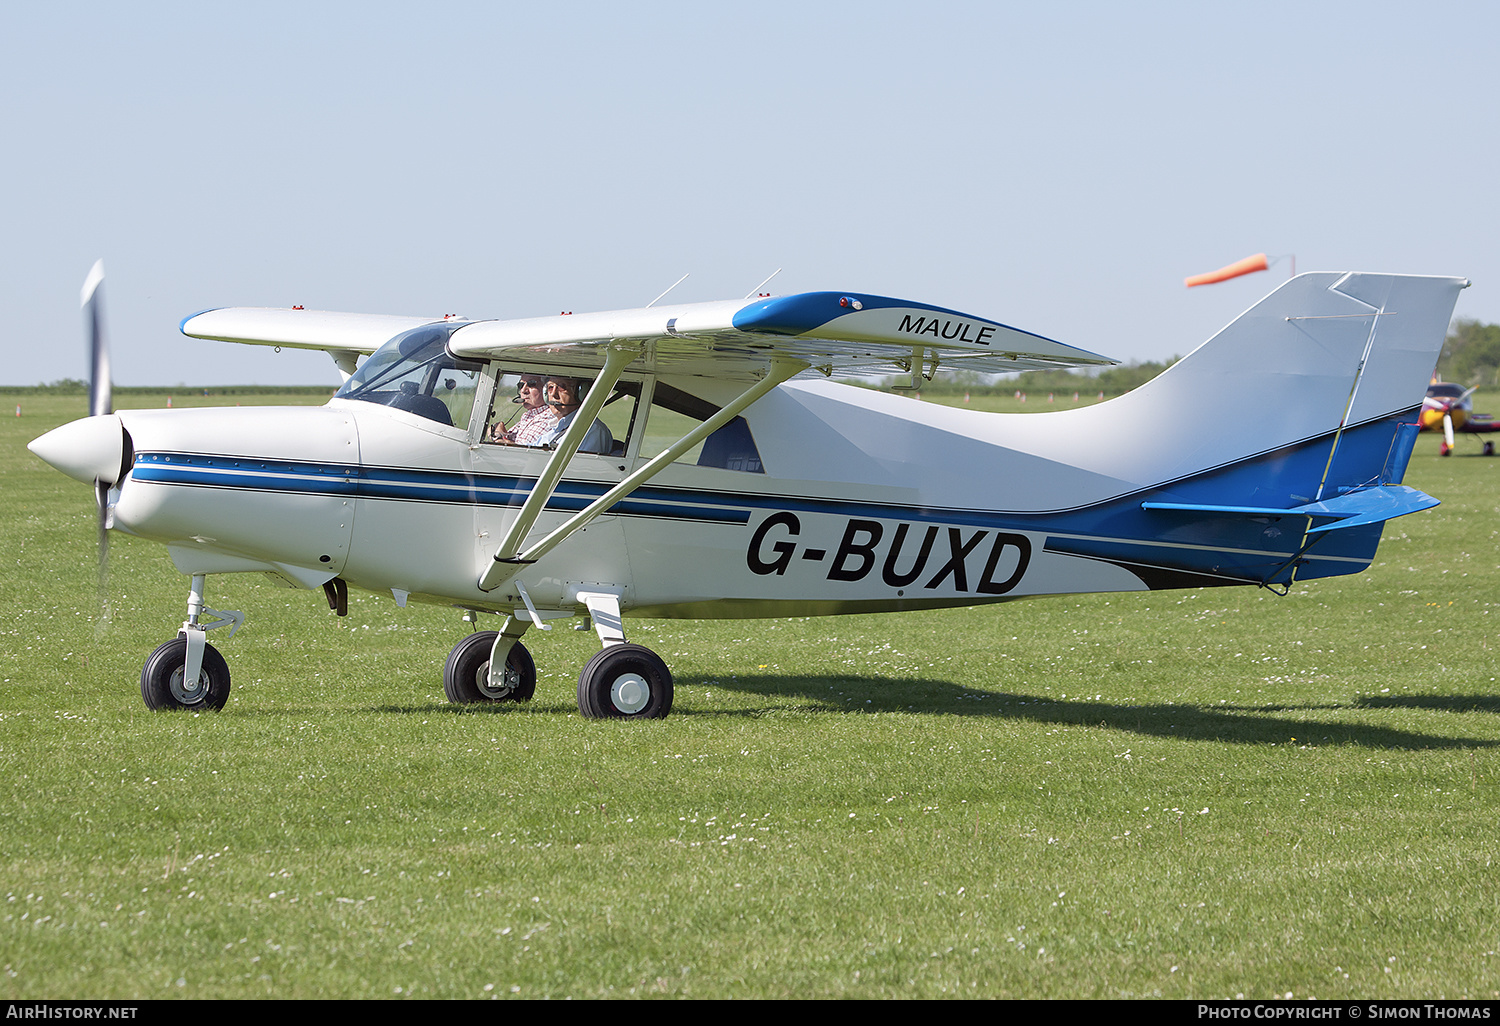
(101, 397)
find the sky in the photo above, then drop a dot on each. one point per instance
(1059, 167)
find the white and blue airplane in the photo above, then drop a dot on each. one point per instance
(736, 480)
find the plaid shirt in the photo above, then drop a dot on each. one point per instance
(533, 425)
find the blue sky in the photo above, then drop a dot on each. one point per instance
(1059, 167)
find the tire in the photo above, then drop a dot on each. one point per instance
(625, 682)
(162, 683)
(466, 676)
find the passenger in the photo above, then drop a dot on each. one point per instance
(535, 421)
(564, 396)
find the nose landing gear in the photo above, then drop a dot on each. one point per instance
(165, 683)
(187, 672)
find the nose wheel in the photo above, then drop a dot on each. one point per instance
(187, 672)
(165, 683)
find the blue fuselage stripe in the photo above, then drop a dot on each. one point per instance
(418, 486)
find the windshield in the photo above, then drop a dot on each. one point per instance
(415, 373)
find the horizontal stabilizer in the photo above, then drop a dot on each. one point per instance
(1369, 506)
(1365, 506)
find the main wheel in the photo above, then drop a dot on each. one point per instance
(466, 676)
(163, 686)
(625, 682)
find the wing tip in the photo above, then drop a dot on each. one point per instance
(182, 324)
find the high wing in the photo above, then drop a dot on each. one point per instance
(834, 332)
(344, 336)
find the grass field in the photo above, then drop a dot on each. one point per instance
(1179, 794)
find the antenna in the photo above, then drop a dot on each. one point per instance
(762, 284)
(670, 287)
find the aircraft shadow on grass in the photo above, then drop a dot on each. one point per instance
(1438, 703)
(1234, 724)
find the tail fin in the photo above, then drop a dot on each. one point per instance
(1315, 367)
(1260, 457)
(1303, 413)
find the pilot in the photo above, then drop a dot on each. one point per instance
(536, 419)
(564, 395)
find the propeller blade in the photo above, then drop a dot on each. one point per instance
(1448, 429)
(101, 398)
(101, 495)
(101, 390)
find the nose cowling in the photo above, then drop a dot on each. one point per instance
(91, 449)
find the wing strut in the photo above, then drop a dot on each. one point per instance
(507, 566)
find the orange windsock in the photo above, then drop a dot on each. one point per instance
(1234, 270)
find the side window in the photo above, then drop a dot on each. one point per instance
(455, 386)
(618, 414)
(521, 413)
(674, 413)
(518, 414)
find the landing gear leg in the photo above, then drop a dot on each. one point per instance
(187, 672)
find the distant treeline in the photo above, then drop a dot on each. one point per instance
(1471, 356)
(1112, 381)
(73, 386)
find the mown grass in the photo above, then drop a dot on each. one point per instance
(1185, 794)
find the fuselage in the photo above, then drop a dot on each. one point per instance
(855, 501)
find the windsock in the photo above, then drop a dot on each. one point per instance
(1234, 270)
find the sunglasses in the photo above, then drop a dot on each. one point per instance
(526, 383)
